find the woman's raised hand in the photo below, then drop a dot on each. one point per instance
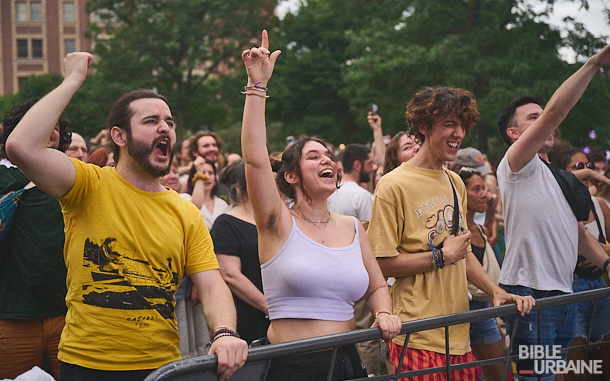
(260, 61)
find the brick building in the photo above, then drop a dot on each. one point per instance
(36, 35)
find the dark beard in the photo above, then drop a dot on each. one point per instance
(364, 177)
(141, 154)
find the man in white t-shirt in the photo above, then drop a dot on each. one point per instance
(351, 199)
(542, 234)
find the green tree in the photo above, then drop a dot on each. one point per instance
(494, 48)
(307, 91)
(176, 46)
(88, 108)
(339, 56)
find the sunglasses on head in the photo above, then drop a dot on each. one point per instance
(467, 170)
(581, 165)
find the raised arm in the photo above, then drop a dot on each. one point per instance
(262, 191)
(51, 170)
(378, 146)
(565, 97)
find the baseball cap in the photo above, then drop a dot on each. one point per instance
(472, 158)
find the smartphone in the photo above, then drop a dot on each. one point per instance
(374, 108)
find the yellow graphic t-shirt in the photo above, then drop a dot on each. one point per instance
(412, 207)
(126, 251)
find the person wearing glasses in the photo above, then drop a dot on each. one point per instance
(587, 276)
(543, 235)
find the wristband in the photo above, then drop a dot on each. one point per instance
(198, 176)
(606, 264)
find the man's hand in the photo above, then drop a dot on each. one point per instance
(232, 354)
(602, 58)
(76, 66)
(455, 248)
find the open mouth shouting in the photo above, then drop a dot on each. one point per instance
(162, 146)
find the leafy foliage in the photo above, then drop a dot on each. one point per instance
(175, 46)
(496, 49)
(337, 58)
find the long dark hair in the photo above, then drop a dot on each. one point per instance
(233, 178)
(563, 157)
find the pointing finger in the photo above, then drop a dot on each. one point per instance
(265, 40)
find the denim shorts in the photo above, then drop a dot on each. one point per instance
(557, 327)
(485, 331)
(601, 319)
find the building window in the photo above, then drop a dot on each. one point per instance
(21, 11)
(35, 11)
(36, 48)
(69, 12)
(69, 45)
(22, 48)
(21, 82)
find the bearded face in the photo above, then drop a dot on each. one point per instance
(142, 153)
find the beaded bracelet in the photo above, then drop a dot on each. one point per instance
(224, 330)
(258, 95)
(437, 263)
(221, 332)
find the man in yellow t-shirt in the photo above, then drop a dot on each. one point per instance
(128, 240)
(421, 239)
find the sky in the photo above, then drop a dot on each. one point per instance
(593, 18)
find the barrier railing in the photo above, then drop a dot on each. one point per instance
(203, 368)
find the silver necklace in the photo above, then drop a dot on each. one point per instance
(314, 223)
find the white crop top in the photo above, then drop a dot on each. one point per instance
(307, 280)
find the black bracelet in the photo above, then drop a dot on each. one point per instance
(221, 332)
(224, 330)
(606, 264)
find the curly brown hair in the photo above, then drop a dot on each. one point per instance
(432, 103)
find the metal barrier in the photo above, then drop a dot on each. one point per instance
(203, 368)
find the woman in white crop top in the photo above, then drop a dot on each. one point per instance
(308, 175)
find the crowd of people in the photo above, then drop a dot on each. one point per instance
(135, 243)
